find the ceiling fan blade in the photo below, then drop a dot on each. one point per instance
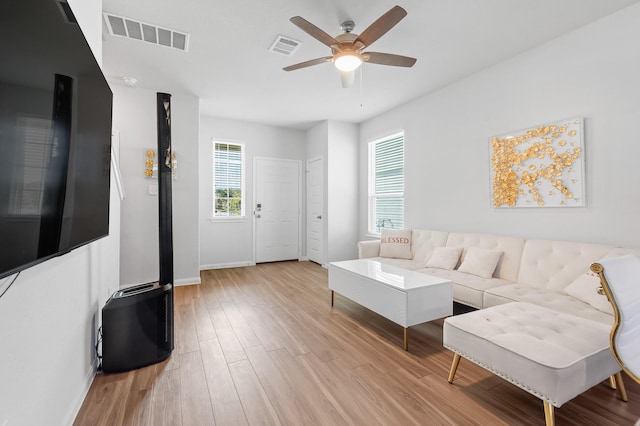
(314, 31)
(308, 63)
(389, 59)
(381, 26)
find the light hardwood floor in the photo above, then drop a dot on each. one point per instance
(262, 345)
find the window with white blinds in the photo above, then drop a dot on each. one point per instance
(386, 183)
(228, 180)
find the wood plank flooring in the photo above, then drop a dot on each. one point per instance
(262, 345)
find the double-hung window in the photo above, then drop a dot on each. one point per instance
(228, 180)
(386, 183)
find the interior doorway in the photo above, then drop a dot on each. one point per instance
(276, 209)
(315, 211)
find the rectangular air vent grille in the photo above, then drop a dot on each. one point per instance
(285, 45)
(131, 28)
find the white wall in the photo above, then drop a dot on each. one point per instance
(89, 15)
(342, 191)
(337, 144)
(230, 243)
(134, 117)
(49, 317)
(592, 72)
(317, 138)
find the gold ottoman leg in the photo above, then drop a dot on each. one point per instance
(406, 339)
(549, 419)
(454, 367)
(621, 388)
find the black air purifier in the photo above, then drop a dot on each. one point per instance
(137, 327)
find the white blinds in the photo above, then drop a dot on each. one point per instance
(387, 197)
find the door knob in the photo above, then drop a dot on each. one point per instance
(319, 217)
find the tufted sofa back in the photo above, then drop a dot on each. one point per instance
(511, 248)
(423, 241)
(556, 264)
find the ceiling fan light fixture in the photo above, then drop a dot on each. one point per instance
(347, 61)
(347, 78)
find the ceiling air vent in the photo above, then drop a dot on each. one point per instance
(285, 45)
(131, 28)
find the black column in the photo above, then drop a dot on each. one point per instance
(165, 205)
(164, 189)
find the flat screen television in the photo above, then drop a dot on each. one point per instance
(55, 136)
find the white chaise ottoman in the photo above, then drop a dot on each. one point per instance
(551, 355)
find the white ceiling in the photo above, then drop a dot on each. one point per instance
(228, 65)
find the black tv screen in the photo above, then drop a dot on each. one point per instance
(55, 136)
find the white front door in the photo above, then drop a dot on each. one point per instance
(277, 209)
(315, 208)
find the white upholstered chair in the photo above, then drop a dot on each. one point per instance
(620, 279)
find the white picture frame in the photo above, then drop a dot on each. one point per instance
(542, 166)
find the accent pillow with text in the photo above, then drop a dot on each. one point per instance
(395, 243)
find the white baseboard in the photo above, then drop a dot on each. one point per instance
(187, 281)
(176, 283)
(226, 265)
(88, 380)
(303, 259)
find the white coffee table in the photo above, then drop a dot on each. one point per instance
(402, 296)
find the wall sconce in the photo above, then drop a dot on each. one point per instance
(151, 164)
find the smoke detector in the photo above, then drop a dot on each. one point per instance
(130, 81)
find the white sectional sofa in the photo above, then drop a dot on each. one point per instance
(552, 274)
(545, 327)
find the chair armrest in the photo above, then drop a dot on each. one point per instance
(369, 248)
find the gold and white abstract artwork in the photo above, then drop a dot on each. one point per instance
(542, 166)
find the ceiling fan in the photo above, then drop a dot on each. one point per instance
(347, 48)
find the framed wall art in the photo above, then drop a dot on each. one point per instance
(542, 166)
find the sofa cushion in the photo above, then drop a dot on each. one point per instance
(444, 257)
(552, 299)
(424, 242)
(480, 262)
(468, 289)
(511, 247)
(395, 243)
(555, 264)
(585, 288)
